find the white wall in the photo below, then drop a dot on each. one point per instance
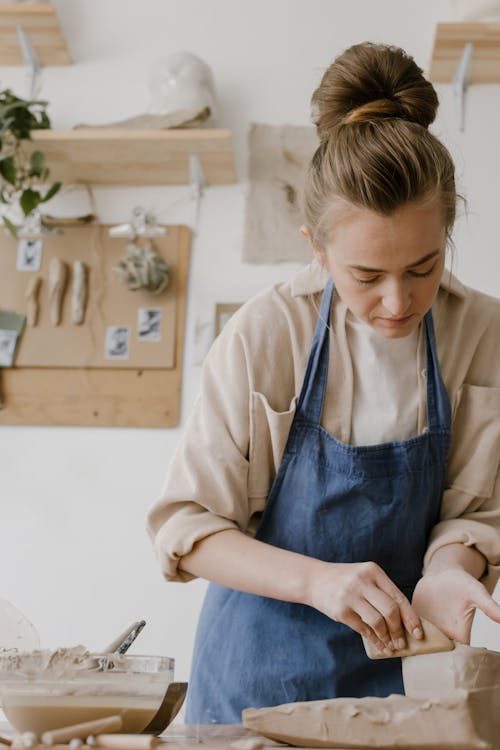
(73, 552)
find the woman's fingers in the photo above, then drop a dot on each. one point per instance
(386, 617)
(354, 621)
(363, 597)
(409, 617)
(486, 603)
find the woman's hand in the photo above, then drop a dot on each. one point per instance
(449, 599)
(363, 597)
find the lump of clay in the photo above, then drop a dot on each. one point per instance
(460, 719)
(467, 667)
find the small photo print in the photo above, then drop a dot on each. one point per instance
(8, 340)
(149, 324)
(29, 255)
(117, 342)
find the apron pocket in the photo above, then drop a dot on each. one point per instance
(268, 436)
(475, 443)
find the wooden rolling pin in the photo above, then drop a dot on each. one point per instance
(81, 731)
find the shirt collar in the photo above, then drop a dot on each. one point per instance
(313, 277)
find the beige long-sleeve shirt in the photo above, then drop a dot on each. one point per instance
(224, 465)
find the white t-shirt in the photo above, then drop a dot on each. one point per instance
(385, 384)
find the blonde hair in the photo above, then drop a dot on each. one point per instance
(372, 111)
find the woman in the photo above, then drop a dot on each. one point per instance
(342, 458)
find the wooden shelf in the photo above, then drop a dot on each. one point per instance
(449, 44)
(134, 157)
(41, 24)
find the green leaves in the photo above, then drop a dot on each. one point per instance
(23, 115)
(22, 177)
(54, 188)
(37, 164)
(10, 226)
(8, 169)
(29, 200)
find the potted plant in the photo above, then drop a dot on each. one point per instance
(23, 176)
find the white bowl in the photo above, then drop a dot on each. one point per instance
(43, 690)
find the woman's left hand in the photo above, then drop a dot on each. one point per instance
(449, 598)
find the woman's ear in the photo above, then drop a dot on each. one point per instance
(318, 253)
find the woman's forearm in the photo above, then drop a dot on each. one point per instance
(359, 595)
(457, 555)
(233, 559)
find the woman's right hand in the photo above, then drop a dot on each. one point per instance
(363, 597)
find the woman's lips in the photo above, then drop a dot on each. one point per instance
(396, 322)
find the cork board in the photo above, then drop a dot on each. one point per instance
(104, 396)
(110, 304)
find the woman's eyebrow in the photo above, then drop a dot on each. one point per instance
(419, 262)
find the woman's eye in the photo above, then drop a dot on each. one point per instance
(423, 274)
(366, 281)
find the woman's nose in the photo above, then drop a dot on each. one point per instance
(396, 299)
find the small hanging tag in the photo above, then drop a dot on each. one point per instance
(149, 324)
(29, 255)
(117, 342)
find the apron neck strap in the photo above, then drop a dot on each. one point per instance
(438, 403)
(312, 394)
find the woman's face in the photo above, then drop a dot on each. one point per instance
(387, 269)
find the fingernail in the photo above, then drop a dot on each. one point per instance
(401, 643)
(388, 651)
(418, 633)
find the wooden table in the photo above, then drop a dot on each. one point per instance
(216, 737)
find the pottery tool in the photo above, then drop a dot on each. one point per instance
(169, 708)
(432, 642)
(122, 643)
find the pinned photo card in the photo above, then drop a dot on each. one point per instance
(11, 326)
(149, 324)
(117, 342)
(29, 255)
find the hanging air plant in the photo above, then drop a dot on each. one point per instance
(143, 268)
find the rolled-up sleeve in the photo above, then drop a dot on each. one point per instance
(206, 487)
(470, 511)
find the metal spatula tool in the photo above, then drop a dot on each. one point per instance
(432, 642)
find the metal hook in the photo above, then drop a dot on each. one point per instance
(142, 224)
(31, 61)
(197, 183)
(461, 82)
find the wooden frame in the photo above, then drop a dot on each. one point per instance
(101, 397)
(223, 311)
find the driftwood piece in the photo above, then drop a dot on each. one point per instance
(192, 118)
(58, 275)
(32, 300)
(80, 292)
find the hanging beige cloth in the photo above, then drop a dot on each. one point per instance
(278, 157)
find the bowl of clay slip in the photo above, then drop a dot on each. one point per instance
(44, 690)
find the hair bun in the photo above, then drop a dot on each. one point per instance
(372, 81)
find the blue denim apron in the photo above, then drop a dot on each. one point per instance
(338, 503)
